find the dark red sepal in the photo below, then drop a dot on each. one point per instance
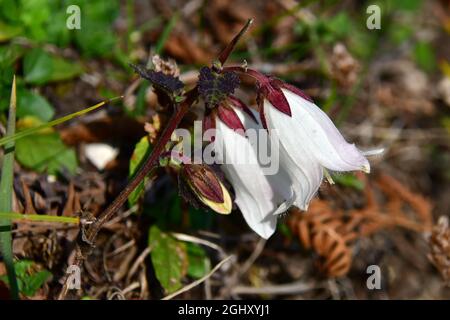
(263, 120)
(276, 97)
(209, 122)
(293, 89)
(228, 116)
(241, 105)
(260, 102)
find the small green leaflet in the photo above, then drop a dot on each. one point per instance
(29, 277)
(41, 67)
(169, 259)
(45, 151)
(141, 151)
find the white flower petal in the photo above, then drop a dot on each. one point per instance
(260, 197)
(320, 137)
(303, 170)
(251, 204)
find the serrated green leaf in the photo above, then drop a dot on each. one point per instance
(141, 151)
(45, 152)
(169, 259)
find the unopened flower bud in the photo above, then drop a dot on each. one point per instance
(199, 183)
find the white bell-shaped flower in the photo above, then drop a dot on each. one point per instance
(309, 142)
(259, 196)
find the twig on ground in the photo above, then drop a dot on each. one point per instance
(283, 289)
(199, 281)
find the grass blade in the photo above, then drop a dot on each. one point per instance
(166, 33)
(53, 123)
(38, 218)
(6, 190)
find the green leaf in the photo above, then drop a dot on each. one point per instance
(40, 67)
(349, 180)
(45, 152)
(141, 151)
(165, 208)
(424, 56)
(29, 277)
(9, 54)
(407, 5)
(35, 15)
(33, 104)
(8, 32)
(96, 36)
(65, 70)
(200, 218)
(340, 24)
(400, 33)
(37, 66)
(199, 263)
(169, 259)
(9, 11)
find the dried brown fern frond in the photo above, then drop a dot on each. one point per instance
(324, 231)
(330, 231)
(440, 248)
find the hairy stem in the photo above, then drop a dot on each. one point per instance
(147, 166)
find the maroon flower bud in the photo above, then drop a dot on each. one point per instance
(199, 183)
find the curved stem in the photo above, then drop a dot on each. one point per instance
(90, 234)
(152, 159)
(258, 76)
(148, 165)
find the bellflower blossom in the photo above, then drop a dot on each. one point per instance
(260, 197)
